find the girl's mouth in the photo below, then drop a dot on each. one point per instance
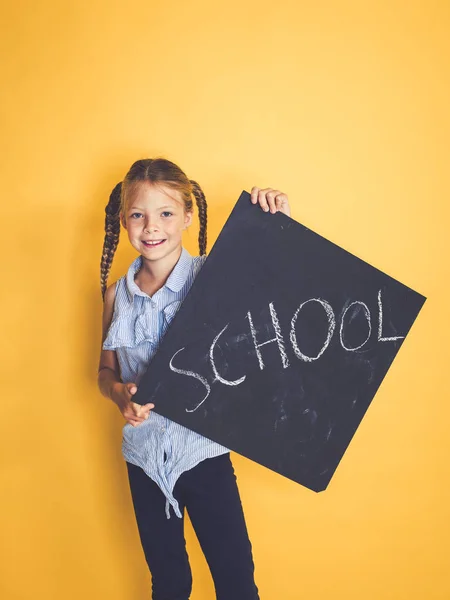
(153, 244)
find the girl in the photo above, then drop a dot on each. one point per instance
(167, 464)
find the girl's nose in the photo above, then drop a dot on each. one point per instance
(151, 227)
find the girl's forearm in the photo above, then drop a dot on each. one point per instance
(107, 379)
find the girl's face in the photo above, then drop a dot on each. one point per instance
(156, 214)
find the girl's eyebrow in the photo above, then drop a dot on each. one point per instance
(165, 206)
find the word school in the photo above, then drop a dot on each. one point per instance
(279, 339)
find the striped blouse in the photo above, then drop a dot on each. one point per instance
(162, 448)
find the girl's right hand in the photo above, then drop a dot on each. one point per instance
(133, 413)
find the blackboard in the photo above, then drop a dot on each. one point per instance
(280, 345)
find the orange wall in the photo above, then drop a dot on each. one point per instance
(344, 106)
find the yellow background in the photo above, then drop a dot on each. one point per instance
(344, 106)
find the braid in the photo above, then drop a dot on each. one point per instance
(202, 215)
(112, 231)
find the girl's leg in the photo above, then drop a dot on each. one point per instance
(215, 509)
(162, 539)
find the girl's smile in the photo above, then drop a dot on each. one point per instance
(152, 243)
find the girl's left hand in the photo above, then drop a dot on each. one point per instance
(270, 199)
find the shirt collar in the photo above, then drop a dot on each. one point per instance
(175, 281)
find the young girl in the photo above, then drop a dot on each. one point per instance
(167, 464)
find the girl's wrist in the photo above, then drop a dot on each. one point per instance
(114, 391)
(108, 382)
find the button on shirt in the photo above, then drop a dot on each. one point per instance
(162, 448)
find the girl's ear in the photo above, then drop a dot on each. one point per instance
(187, 219)
(122, 220)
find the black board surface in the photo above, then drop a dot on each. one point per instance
(280, 345)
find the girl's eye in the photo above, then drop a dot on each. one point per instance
(165, 213)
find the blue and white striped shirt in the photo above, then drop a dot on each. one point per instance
(139, 322)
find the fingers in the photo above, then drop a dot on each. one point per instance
(254, 194)
(133, 412)
(137, 419)
(283, 204)
(271, 200)
(268, 198)
(141, 411)
(259, 195)
(137, 408)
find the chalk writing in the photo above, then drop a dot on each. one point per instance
(279, 339)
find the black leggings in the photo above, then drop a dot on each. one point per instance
(210, 494)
